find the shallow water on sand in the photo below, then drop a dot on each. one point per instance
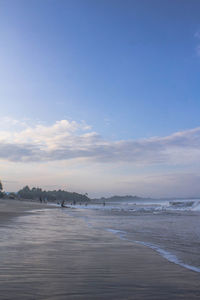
(46, 256)
(172, 228)
(68, 253)
(174, 235)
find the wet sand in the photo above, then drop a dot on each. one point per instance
(59, 257)
(13, 208)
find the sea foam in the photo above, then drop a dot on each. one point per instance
(166, 254)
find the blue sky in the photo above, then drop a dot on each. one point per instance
(128, 69)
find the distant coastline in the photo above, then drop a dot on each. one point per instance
(136, 198)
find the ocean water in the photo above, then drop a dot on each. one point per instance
(169, 227)
(65, 253)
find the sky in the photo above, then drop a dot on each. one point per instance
(101, 96)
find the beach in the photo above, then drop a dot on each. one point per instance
(52, 253)
(10, 208)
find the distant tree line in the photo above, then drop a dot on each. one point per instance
(52, 196)
(1, 190)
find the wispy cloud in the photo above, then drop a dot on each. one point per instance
(197, 36)
(9, 122)
(65, 140)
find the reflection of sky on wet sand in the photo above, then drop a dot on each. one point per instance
(52, 254)
(68, 254)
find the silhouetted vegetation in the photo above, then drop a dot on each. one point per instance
(52, 196)
(1, 190)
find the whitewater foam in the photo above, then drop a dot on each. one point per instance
(166, 254)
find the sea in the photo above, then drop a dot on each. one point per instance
(169, 227)
(61, 253)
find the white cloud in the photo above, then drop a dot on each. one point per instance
(8, 122)
(65, 140)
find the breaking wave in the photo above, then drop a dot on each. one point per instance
(164, 253)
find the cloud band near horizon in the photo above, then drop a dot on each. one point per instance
(65, 140)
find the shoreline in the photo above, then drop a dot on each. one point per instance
(10, 208)
(162, 252)
(85, 263)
